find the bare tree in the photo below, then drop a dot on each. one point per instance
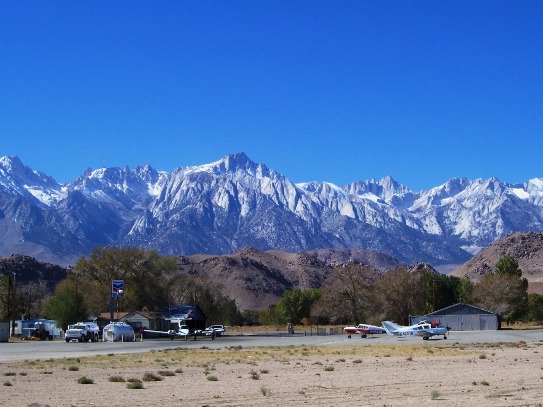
(503, 294)
(347, 295)
(400, 294)
(32, 298)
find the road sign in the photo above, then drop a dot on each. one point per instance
(117, 288)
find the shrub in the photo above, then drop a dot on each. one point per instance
(151, 377)
(166, 373)
(73, 368)
(434, 394)
(116, 379)
(213, 378)
(329, 369)
(136, 384)
(85, 380)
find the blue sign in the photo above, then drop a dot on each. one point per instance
(117, 288)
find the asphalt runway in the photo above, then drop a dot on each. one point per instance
(34, 350)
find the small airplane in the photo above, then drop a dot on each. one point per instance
(364, 330)
(182, 331)
(423, 328)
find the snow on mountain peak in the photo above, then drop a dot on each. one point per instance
(16, 178)
(233, 202)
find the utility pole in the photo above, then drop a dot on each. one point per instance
(13, 305)
(8, 298)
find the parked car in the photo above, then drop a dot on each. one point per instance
(218, 330)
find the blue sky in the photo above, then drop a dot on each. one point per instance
(335, 91)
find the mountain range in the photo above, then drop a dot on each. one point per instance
(234, 203)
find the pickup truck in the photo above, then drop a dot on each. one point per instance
(83, 332)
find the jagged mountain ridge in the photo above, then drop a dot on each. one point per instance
(224, 206)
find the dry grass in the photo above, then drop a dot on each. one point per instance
(294, 375)
(172, 358)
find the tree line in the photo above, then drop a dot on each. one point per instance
(353, 293)
(151, 280)
(356, 293)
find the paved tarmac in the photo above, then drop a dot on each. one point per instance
(34, 350)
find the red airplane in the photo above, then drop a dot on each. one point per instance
(364, 330)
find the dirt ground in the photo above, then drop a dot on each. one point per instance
(503, 374)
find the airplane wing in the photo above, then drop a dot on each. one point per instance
(390, 327)
(172, 333)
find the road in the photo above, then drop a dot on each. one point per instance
(33, 350)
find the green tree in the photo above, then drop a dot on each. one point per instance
(146, 275)
(507, 265)
(534, 309)
(67, 305)
(441, 290)
(273, 316)
(296, 304)
(5, 294)
(464, 290)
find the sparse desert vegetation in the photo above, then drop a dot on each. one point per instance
(427, 373)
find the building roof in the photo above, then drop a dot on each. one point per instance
(462, 309)
(145, 314)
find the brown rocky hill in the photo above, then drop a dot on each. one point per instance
(29, 270)
(371, 258)
(258, 279)
(525, 247)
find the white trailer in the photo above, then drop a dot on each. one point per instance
(36, 328)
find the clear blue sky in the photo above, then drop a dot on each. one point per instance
(334, 91)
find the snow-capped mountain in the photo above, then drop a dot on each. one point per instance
(233, 203)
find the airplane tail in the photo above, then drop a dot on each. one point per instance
(390, 327)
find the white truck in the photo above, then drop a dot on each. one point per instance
(83, 332)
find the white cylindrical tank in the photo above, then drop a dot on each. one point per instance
(117, 332)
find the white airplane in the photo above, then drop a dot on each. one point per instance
(364, 330)
(423, 328)
(182, 330)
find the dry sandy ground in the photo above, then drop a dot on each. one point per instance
(360, 375)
